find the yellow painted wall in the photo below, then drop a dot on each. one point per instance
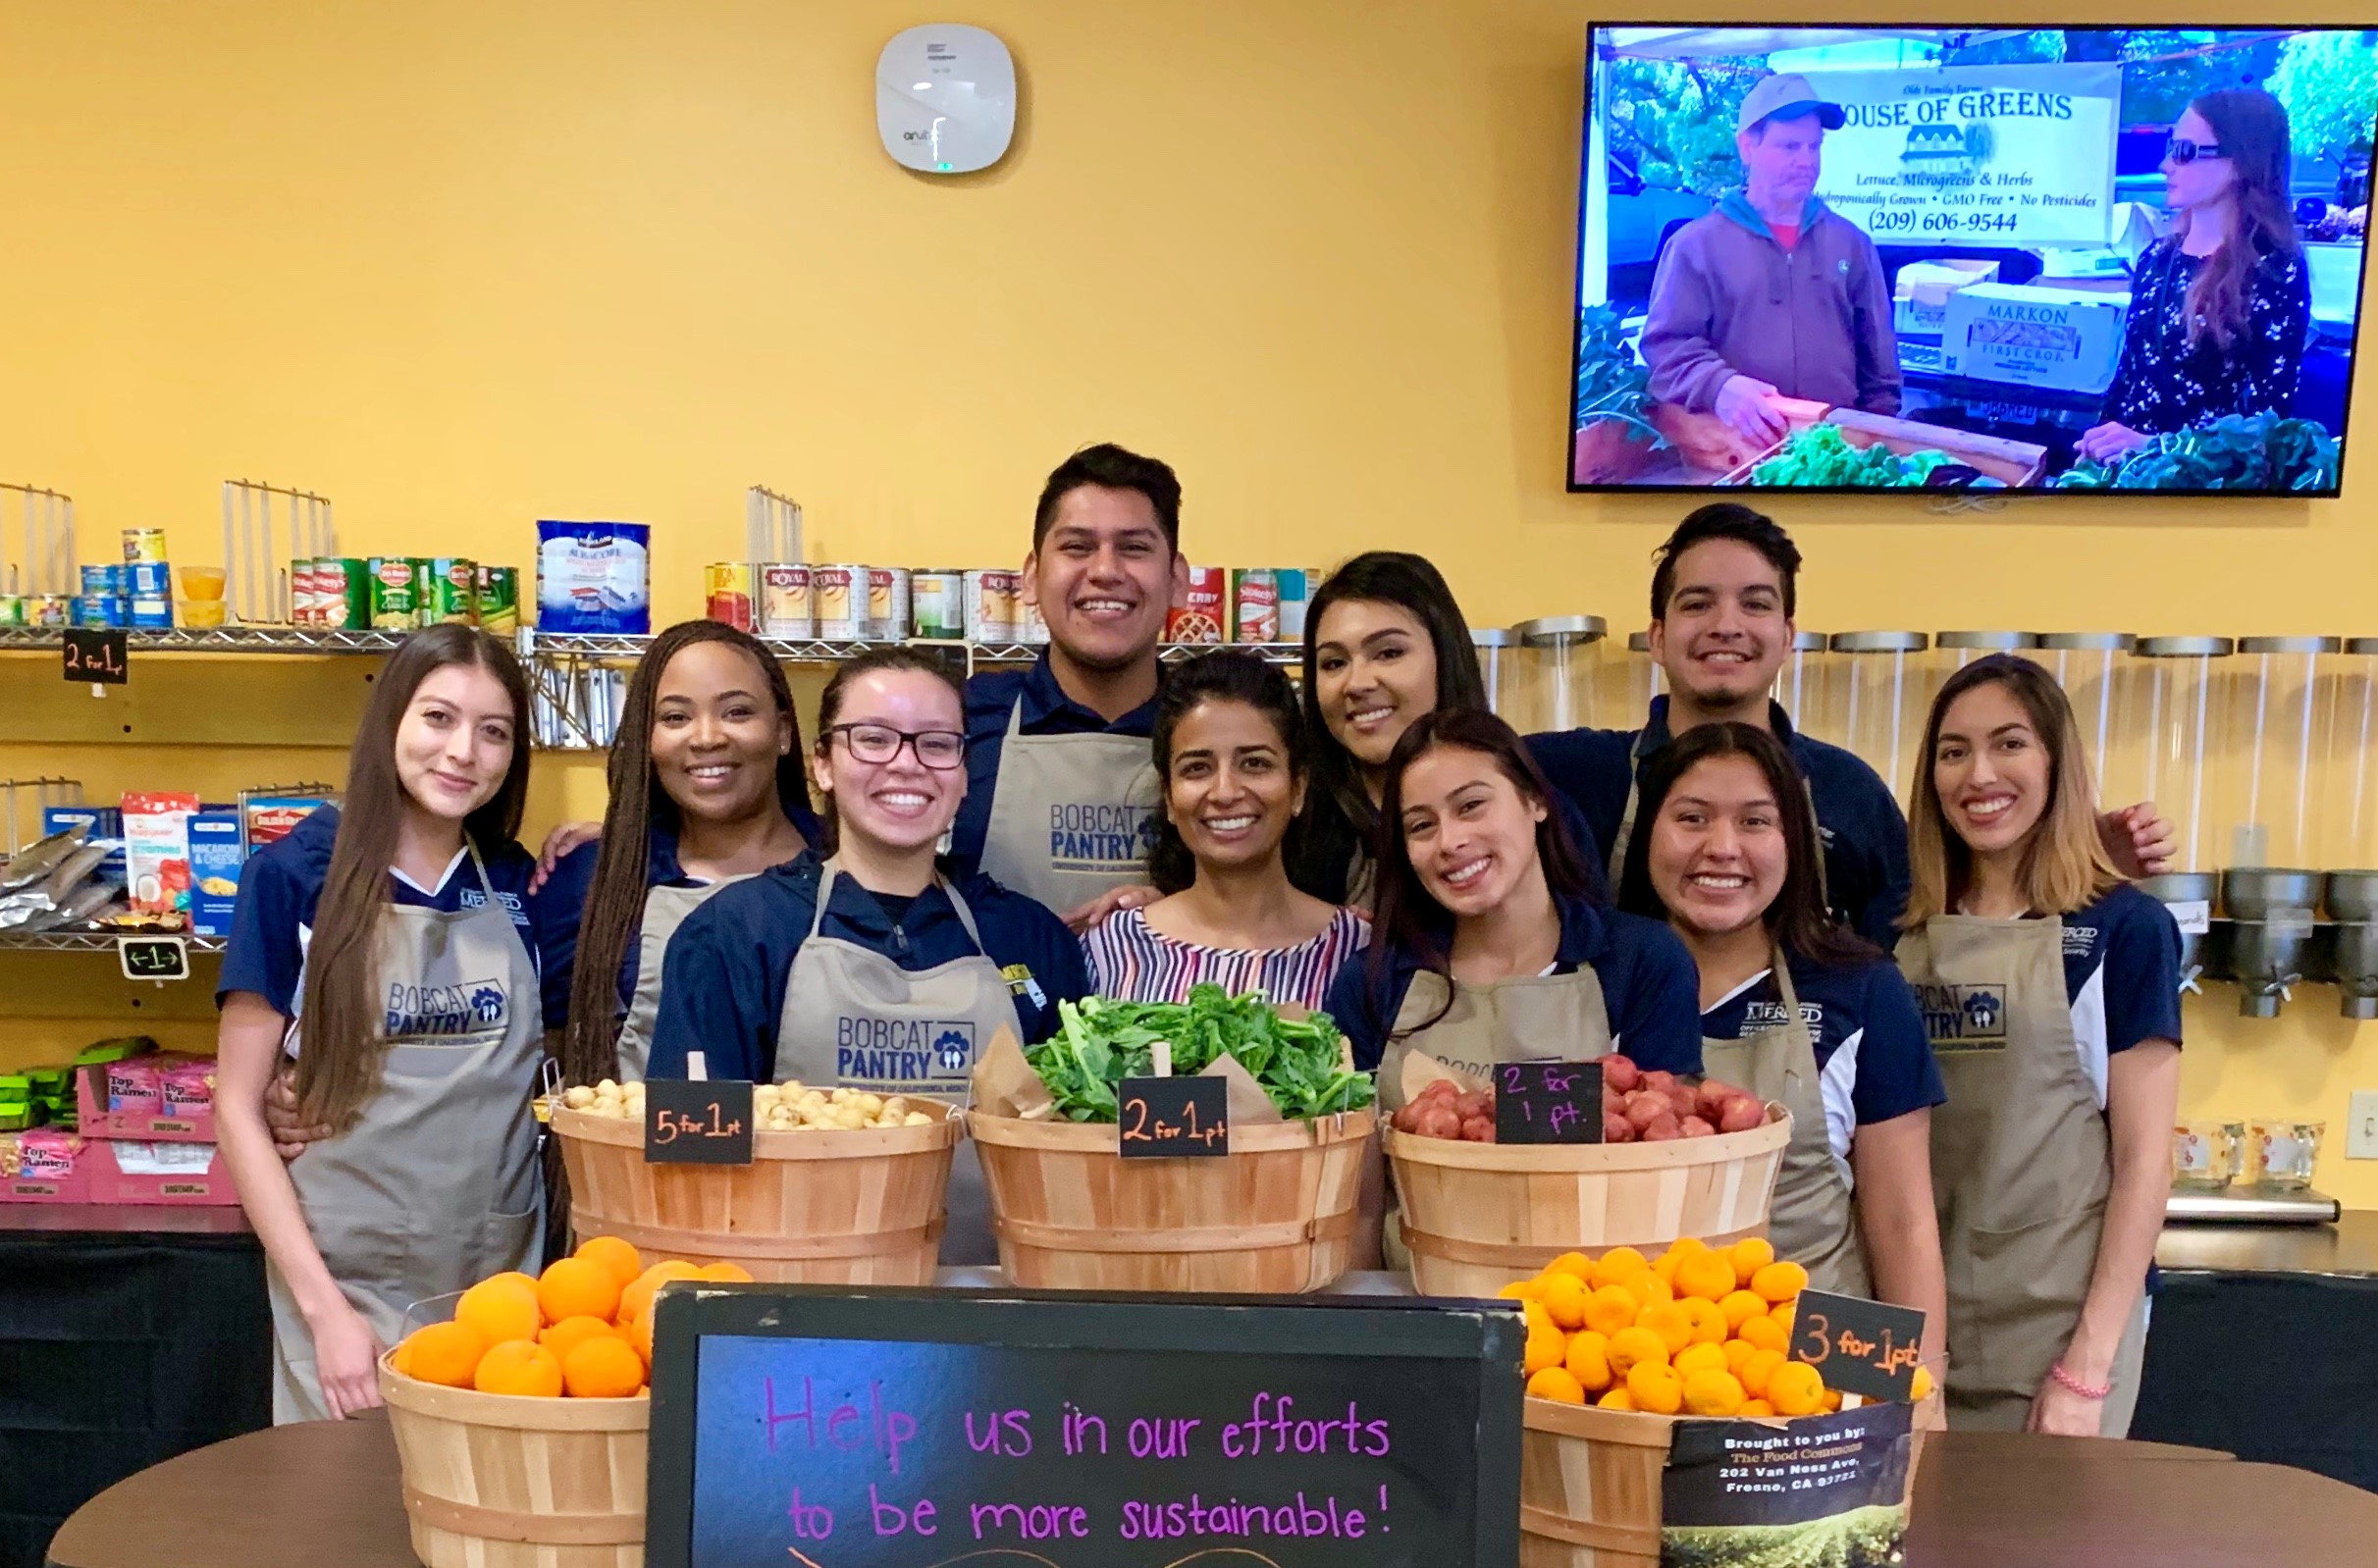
(460, 266)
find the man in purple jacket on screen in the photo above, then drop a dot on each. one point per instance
(1771, 291)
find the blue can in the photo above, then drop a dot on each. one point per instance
(102, 609)
(152, 614)
(151, 580)
(104, 582)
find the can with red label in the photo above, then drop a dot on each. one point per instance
(726, 588)
(840, 592)
(304, 597)
(1254, 604)
(988, 610)
(1202, 611)
(786, 607)
(887, 590)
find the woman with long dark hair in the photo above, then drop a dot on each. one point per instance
(1799, 1009)
(1492, 945)
(2051, 991)
(709, 785)
(383, 944)
(1233, 761)
(870, 966)
(2219, 310)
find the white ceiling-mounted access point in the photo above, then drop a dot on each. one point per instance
(945, 99)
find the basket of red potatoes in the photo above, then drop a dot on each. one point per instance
(1678, 1158)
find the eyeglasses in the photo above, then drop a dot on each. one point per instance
(2183, 151)
(940, 750)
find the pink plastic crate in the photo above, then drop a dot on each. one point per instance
(189, 1182)
(173, 1113)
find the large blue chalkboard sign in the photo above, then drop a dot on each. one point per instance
(843, 1428)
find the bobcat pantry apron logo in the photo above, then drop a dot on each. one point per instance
(1102, 837)
(1964, 1017)
(903, 1052)
(433, 1011)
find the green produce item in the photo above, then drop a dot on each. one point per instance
(1299, 1063)
(2236, 451)
(1823, 455)
(117, 1050)
(1612, 382)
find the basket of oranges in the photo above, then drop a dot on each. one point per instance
(521, 1421)
(1619, 1348)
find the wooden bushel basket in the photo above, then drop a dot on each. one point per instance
(1275, 1216)
(512, 1480)
(1589, 1478)
(859, 1206)
(1477, 1216)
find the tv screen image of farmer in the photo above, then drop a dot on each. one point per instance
(2076, 259)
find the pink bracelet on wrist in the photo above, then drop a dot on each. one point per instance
(2073, 1385)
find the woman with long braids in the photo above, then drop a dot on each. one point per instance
(708, 786)
(384, 945)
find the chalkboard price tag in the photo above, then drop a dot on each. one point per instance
(697, 1122)
(1174, 1118)
(1548, 1102)
(96, 656)
(154, 957)
(1860, 1347)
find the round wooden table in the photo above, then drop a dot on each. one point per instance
(327, 1492)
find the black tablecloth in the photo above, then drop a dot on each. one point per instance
(118, 1350)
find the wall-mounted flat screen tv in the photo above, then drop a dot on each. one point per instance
(2069, 259)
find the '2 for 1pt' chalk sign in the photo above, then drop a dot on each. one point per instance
(856, 1453)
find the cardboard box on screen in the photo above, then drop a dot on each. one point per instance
(1921, 292)
(2066, 339)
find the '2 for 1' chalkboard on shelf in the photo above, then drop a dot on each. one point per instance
(834, 1426)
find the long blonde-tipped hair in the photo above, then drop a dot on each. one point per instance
(2065, 866)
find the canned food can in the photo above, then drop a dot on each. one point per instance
(102, 609)
(392, 593)
(151, 614)
(787, 607)
(453, 598)
(342, 592)
(51, 610)
(1031, 629)
(103, 582)
(143, 545)
(12, 609)
(887, 603)
(1202, 611)
(841, 597)
(151, 580)
(304, 591)
(425, 590)
(987, 612)
(726, 591)
(936, 603)
(1297, 584)
(496, 589)
(1254, 604)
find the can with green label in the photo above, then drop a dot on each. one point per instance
(453, 595)
(342, 592)
(425, 590)
(392, 593)
(496, 595)
(12, 609)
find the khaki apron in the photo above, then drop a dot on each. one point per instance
(1634, 802)
(854, 1018)
(435, 1187)
(1811, 1219)
(1072, 816)
(665, 910)
(1536, 1018)
(2021, 1165)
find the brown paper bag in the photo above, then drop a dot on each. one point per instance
(1005, 1083)
(1421, 1070)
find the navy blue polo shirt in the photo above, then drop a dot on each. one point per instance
(280, 884)
(990, 697)
(1649, 985)
(2121, 976)
(1865, 833)
(729, 963)
(1873, 1061)
(573, 880)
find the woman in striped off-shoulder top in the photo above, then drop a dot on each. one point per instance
(1229, 750)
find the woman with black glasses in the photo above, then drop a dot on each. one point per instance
(869, 968)
(2219, 310)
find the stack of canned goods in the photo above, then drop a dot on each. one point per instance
(1242, 604)
(403, 593)
(130, 593)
